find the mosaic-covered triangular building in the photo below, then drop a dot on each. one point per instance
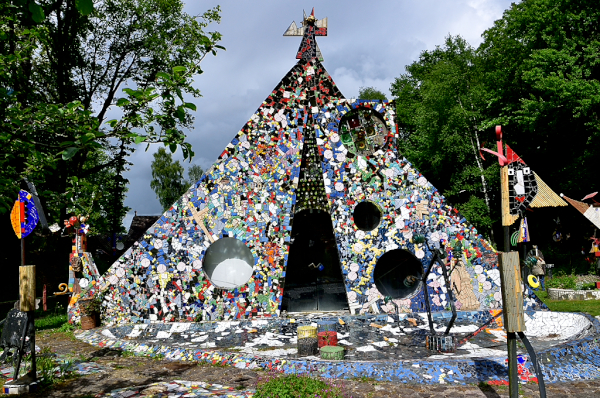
(309, 208)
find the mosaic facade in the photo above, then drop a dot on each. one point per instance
(306, 147)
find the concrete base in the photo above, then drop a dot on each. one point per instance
(568, 294)
(20, 386)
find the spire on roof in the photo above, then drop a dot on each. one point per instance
(311, 27)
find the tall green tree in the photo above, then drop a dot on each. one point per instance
(195, 172)
(65, 63)
(371, 93)
(542, 67)
(167, 178)
(64, 66)
(439, 104)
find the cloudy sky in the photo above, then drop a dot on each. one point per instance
(368, 45)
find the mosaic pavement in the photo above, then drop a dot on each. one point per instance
(178, 389)
(382, 347)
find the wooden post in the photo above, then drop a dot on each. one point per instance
(27, 304)
(514, 316)
(512, 292)
(27, 287)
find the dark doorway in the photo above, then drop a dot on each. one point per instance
(313, 277)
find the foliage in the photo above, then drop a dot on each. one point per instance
(46, 366)
(296, 386)
(371, 93)
(542, 63)
(439, 103)
(83, 83)
(586, 286)
(62, 67)
(90, 306)
(562, 282)
(167, 178)
(195, 172)
(51, 321)
(537, 73)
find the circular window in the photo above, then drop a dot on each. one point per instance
(398, 274)
(228, 263)
(363, 131)
(367, 216)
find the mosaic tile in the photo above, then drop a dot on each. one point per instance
(306, 147)
(394, 349)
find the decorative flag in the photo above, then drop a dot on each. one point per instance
(24, 216)
(590, 212)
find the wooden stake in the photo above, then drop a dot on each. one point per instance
(27, 287)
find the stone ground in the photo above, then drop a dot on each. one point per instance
(126, 371)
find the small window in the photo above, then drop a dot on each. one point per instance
(367, 216)
(398, 274)
(228, 263)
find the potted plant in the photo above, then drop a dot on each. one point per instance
(89, 311)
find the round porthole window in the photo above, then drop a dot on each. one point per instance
(362, 131)
(367, 216)
(228, 263)
(398, 274)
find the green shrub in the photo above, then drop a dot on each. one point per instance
(562, 282)
(294, 386)
(588, 286)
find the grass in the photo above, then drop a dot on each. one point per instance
(297, 386)
(591, 307)
(51, 321)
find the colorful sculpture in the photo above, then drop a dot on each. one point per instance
(311, 178)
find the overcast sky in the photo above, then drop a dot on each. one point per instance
(368, 44)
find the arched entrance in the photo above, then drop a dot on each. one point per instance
(313, 279)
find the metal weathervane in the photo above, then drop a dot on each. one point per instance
(310, 28)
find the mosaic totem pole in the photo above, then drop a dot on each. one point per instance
(82, 269)
(520, 188)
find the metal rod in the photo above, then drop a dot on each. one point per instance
(450, 297)
(475, 333)
(426, 292)
(513, 375)
(21, 350)
(31, 325)
(22, 251)
(511, 341)
(536, 364)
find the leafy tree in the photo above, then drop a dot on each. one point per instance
(67, 64)
(63, 64)
(195, 172)
(371, 93)
(542, 65)
(167, 178)
(439, 104)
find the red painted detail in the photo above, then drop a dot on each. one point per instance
(512, 157)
